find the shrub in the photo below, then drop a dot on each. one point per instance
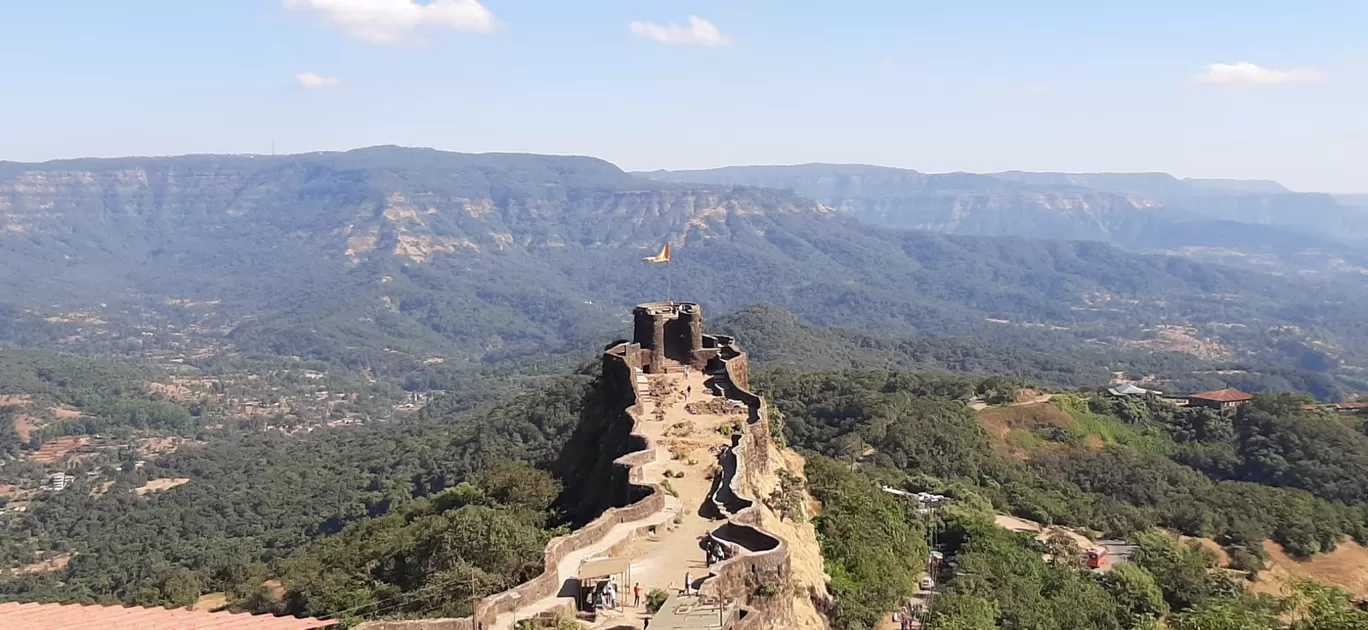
(655, 599)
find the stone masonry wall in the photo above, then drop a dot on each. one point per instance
(618, 364)
(735, 579)
(738, 578)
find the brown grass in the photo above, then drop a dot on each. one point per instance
(210, 601)
(24, 426)
(806, 569)
(1345, 567)
(151, 448)
(1181, 339)
(1000, 422)
(55, 563)
(172, 391)
(158, 485)
(64, 413)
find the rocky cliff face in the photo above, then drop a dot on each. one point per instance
(1140, 211)
(414, 204)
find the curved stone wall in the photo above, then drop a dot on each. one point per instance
(618, 363)
(765, 559)
(765, 556)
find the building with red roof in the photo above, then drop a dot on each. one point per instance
(1223, 399)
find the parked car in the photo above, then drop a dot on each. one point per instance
(927, 583)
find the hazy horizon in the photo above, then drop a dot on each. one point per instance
(1237, 90)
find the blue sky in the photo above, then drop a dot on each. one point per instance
(935, 86)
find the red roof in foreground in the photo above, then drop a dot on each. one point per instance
(1223, 395)
(14, 616)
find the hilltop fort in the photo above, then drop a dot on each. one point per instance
(670, 463)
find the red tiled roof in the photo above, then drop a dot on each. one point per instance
(14, 616)
(1223, 395)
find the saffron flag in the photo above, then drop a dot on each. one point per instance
(663, 256)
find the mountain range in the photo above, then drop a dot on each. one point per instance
(399, 259)
(1258, 224)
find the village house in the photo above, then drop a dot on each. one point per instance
(1223, 399)
(1132, 390)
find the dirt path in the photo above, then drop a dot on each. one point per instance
(686, 446)
(690, 438)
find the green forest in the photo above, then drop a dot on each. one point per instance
(1121, 467)
(338, 290)
(258, 504)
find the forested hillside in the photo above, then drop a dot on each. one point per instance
(1276, 470)
(776, 338)
(255, 506)
(1254, 224)
(383, 258)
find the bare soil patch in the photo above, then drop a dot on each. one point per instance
(55, 563)
(171, 391)
(24, 426)
(64, 413)
(1345, 567)
(53, 451)
(151, 448)
(210, 601)
(1001, 422)
(158, 485)
(1182, 339)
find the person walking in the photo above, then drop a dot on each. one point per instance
(636, 595)
(688, 583)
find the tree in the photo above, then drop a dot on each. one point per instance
(964, 612)
(1140, 601)
(1064, 550)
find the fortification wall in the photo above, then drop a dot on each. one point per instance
(618, 363)
(766, 561)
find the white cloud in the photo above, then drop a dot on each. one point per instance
(700, 32)
(1245, 73)
(311, 80)
(388, 22)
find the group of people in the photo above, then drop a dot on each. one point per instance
(908, 620)
(606, 596)
(715, 551)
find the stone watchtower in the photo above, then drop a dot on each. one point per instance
(670, 335)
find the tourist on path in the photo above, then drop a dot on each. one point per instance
(636, 595)
(688, 583)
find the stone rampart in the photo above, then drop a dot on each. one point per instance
(765, 559)
(619, 362)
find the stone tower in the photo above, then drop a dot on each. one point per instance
(671, 336)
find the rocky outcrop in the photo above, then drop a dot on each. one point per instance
(620, 407)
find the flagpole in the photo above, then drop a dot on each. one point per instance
(669, 283)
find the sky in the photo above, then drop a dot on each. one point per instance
(1214, 88)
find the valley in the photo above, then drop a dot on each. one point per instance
(373, 387)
